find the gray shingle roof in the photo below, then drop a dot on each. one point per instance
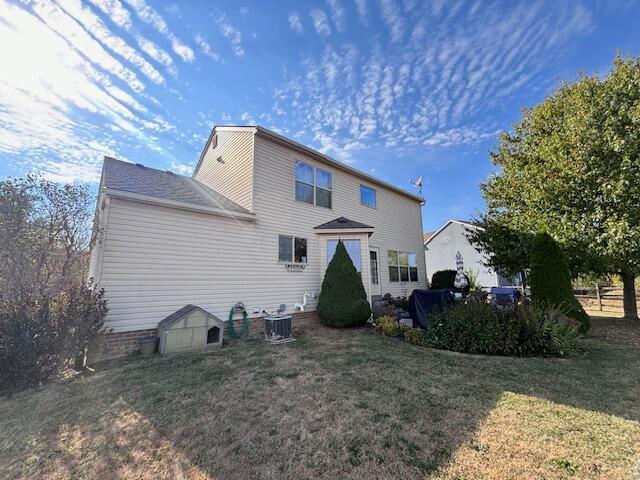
(341, 223)
(136, 178)
(178, 314)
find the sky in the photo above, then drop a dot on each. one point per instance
(396, 88)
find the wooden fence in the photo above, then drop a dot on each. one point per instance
(604, 299)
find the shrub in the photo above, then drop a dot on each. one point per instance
(445, 279)
(415, 336)
(387, 325)
(550, 279)
(41, 335)
(343, 299)
(478, 327)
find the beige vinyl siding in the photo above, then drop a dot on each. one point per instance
(397, 219)
(234, 177)
(157, 259)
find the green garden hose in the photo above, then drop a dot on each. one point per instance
(245, 321)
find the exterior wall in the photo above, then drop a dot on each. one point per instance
(234, 177)
(440, 254)
(157, 259)
(397, 220)
(121, 344)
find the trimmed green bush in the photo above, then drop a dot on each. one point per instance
(445, 279)
(550, 279)
(343, 299)
(478, 327)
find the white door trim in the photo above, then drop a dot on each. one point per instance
(376, 289)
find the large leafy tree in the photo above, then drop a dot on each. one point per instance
(571, 167)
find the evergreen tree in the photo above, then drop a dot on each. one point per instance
(343, 299)
(550, 279)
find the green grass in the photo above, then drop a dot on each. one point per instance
(337, 404)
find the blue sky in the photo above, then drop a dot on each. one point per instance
(397, 88)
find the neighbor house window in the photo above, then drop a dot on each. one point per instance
(353, 249)
(313, 185)
(367, 196)
(403, 266)
(292, 249)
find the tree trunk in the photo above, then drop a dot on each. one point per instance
(629, 298)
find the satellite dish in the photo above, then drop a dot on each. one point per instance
(418, 183)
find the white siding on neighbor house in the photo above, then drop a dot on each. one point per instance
(234, 177)
(158, 259)
(440, 254)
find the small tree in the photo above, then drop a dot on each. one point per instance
(551, 280)
(506, 250)
(48, 313)
(343, 299)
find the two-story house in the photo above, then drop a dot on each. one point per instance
(256, 223)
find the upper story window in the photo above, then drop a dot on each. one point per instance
(367, 196)
(403, 266)
(313, 185)
(292, 249)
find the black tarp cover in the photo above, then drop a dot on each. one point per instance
(424, 302)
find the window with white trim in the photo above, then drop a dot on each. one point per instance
(313, 185)
(367, 196)
(292, 249)
(403, 266)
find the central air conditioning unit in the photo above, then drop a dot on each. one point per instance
(278, 328)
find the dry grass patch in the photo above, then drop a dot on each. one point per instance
(336, 404)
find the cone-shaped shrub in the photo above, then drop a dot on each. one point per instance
(343, 300)
(550, 279)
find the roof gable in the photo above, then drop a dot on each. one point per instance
(432, 235)
(272, 136)
(169, 320)
(342, 223)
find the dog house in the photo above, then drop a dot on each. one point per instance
(190, 329)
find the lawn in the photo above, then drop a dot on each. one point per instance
(337, 404)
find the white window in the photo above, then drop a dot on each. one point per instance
(292, 249)
(367, 196)
(353, 249)
(313, 185)
(403, 266)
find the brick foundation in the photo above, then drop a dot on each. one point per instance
(121, 344)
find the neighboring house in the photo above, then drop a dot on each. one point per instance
(257, 223)
(442, 245)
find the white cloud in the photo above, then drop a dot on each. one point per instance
(232, 34)
(78, 38)
(295, 23)
(120, 16)
(320, 22)
(434, 82)
(53, 88)
(156, 53)
(181, 168)
(205, 47)
(337, 15)
(94, 25)
(116, 11)
(150, 16)
(393, 18)
(361, 7)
